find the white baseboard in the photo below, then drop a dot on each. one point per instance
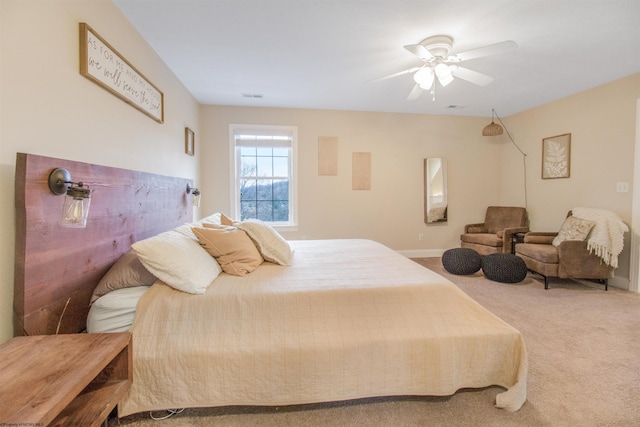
(620, 282)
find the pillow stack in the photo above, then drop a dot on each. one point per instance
(240, 247)
(177, 257)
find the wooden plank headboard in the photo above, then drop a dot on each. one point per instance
(57, 268)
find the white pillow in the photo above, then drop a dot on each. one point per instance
(270, 243)
(573, 229)
(178, 260)
(115, 311)
(211, 219)
(186, 228)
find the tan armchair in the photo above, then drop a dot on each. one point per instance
(495, 234)
(570, 259)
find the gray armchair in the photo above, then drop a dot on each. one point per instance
(495, 234)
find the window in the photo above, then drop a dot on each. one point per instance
(263, 160)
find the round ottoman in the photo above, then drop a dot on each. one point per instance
(505, 268)
(461, 261)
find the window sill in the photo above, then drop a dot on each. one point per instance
(285, 227)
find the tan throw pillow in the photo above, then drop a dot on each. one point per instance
(231, 247)
(225, 220)
(573, 229)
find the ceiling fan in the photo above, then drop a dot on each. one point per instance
(439, 66)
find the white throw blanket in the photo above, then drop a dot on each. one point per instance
(606, 239)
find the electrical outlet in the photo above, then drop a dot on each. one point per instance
(622, 187)
(420, 236)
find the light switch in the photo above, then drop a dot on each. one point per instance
(622, 187)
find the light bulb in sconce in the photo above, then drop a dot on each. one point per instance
(196, 195)
(75, 212)
(76, 206)
(77, 199)
(196, 198)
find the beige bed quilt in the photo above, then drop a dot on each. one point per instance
(348, 319)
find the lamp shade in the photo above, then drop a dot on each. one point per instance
(492, 129)
(444, 74)
(75, 210)
(424, 78)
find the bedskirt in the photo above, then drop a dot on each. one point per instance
(348, 319)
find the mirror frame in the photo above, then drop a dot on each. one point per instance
(436, 207)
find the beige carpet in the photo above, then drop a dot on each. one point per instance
(584, 368)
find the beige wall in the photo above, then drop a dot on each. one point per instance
(602, 123)
(48, 108)
(392, 211)
(482, 170)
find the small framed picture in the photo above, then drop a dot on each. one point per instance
(556, 156)
(189, 142)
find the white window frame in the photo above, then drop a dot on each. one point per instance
(234, 166)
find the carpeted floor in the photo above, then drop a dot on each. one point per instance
(584, 368)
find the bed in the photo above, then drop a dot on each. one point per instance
(339, 320)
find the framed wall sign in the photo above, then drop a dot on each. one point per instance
(189, 142)
(103, 65)
(556, 156)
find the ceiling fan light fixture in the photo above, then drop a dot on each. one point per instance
(445, 76)
(438, 64)
(424, 77)
(438, 46)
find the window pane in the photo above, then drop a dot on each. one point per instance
(281, 151)
(281, 211)
(265, 151)
(247, 151)
(265, 166)
(248, 166)
(265, 211)
(280, 166)
(265, 189)
(281, 190)
(248, 210)
(247, 189)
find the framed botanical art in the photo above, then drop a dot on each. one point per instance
(556, 156)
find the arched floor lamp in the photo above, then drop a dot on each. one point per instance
(494, 129)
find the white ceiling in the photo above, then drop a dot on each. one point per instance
(321, 54)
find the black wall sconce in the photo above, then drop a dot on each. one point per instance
(196, 195)
(77, 200)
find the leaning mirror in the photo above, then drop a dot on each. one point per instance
(435, 190)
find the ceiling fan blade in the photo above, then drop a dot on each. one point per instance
(420, 51)
(492, 49)
(399, 73)
(415, 93)
(471, 76)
